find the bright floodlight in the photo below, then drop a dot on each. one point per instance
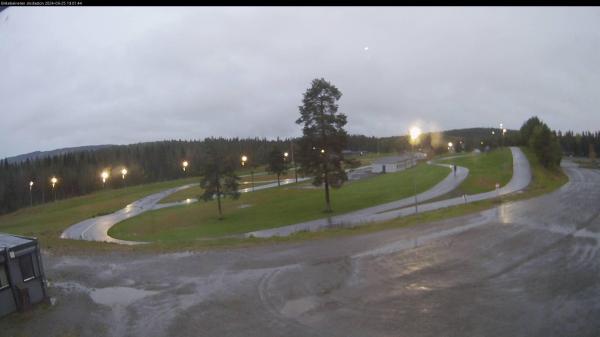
(450, 144)
(285, 154)
(415, 132)
(104, 176)
(30, 184)
(322, 150)
(123, 172)
(244, 160)
(53, 181)
(184, 164)
(503, 131)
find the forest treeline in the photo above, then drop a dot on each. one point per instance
(78, 173)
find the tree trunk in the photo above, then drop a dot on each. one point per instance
(278, 183)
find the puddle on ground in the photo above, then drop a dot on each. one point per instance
(119, 295)
(299, 306)
(244, 206)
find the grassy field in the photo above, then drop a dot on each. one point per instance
(485, 170)
(272, 208)
(49, 220)
(245, 182)
(369, 158)
(543, 181)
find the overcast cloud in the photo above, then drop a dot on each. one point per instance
(79, 76)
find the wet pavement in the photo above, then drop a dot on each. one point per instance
(526, 268)
(96, 229)
(520, 179)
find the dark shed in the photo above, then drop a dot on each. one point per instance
(22, 279)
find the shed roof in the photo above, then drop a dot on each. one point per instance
(11, 241)
(392, 160)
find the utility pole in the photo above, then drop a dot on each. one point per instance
(294, 163)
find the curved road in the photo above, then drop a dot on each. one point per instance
(520, 179)
(527, 268)
(96, 229)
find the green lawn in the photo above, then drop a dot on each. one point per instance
(369, 158)
(273, 207)
(485, 170)
(245, 182)
(47, 221)
(543, 181)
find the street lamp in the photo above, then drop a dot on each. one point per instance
(450, 145)
(53, 180)
(30, 193)
(244, 160)
(294, 164)
(414, 132)
(184, 165)
(123, 174)
(104, 176)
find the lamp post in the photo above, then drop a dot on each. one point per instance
(285, 157)
(30, 194)
(54, 180)
(184, 164)
(244, 160)
(450, 145)
(294, 164)
(415, 132)
(123, 174)
(104, 176)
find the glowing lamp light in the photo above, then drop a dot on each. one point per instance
(244, 160)
(414, 132)
(322, 150)
(123, 172)
(450, 144)
(285, 154)
(104, 176)
(30, 184)
(184, 164)
(53, 181)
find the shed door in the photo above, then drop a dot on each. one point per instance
(7, 301)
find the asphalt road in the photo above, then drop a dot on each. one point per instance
(527, 268)
(519, 180)
(96, 229)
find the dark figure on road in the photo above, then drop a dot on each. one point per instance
(455, 170)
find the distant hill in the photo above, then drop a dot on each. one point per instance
(43, 154)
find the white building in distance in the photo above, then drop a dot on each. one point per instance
(395, 163)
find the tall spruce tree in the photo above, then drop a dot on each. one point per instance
(276, 164)
(218, 176)
(324, 137)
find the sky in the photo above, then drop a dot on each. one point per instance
(72, 76)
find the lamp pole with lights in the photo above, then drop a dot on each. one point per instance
(104, 176)
(54, 180)
(244, 160)
(184, 165)
(415, 132)
(123, 174)
(285, 157)
(30, 194)
(294, 164)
